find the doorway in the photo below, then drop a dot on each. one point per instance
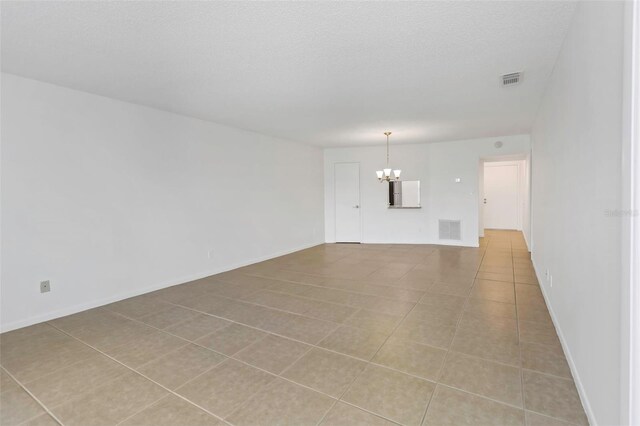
(347, 199)
(507, 193)
(502, 193)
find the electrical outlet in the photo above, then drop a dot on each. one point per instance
(45, 286)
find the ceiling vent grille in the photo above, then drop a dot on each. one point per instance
(449, 229)
(511, 79)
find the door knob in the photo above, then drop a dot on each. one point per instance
(356, 207)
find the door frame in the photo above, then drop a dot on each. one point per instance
(519, 183)
(524, 198)
(335, 210)
(630, 259)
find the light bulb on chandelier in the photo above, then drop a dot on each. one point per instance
(384, 175)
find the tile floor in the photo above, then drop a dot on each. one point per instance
(332, 335)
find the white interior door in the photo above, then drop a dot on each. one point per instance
(347, 186)
(501, 196)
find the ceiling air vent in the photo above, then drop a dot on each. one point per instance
(449, 229)
(511, 79)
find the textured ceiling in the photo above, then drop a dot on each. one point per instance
(324, 73)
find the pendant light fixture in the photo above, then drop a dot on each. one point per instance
(384, 175)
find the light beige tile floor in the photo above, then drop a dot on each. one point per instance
(333, 335)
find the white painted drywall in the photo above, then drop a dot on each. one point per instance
(108, 199)
(435, 165)
(630, 251)
(576, 195)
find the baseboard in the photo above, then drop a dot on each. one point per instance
(526, 241)
(158, 286)
(432, 243)
(567, 352)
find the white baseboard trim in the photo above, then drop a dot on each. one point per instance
(432, 243)
(526, 242)
(567, 352)
(47, 316)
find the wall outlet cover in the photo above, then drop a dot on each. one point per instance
(45, 286)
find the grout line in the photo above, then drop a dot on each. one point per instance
(232, 357)
(399, 323)
(54, 371)
(142, 409)
(370, 362)
(278, 376)
(555, 376)
(23, 387)
(284, 378)
(391, 280)
(482, 396)
(446, 356)
(515, 295)
(309, 298)
(341, 401)
(252, 327)
(357, 309)
(549, 417)
(136, 372)
(302, 295)
(57, 370)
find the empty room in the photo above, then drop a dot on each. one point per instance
(319, 213)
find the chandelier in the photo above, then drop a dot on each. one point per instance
(384, 175)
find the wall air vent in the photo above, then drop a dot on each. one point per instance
(511, 79)
(449, 229)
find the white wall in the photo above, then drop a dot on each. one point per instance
(109, 199)
(436, 165)
(576, 151)
(630, 251)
